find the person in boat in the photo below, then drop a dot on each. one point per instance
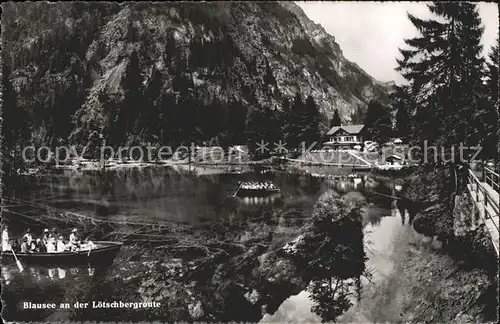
(37, 246)
(60, 246)
(51, 244)
(32, 246)
(5, 239)
(74, 241)
(45, 236)
(29, 238)
(24, 246)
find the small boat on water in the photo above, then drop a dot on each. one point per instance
(102, 253)
(256, 189)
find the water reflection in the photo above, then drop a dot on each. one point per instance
(260, 200)
(165, 196)
(45, 274)
(342, 300)
(332, 298)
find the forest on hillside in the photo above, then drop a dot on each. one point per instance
(88, 72)
(171, 73)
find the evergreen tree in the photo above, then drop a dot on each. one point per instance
(358, 114)
(285, 118)
(294, 122)
(336, 120)
(259, 132)
(14, 124)
(402, 102)
(443, 66)
(269, 77)
(311, 121)
(112, 128)
(264, 124)
(237, 114)
(167, 106)
(149, 121)
(331, 253)
(378, 122)
(492, 72)
(402, 122)
(133, 97)
(491, 116)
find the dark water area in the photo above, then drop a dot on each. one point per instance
(162, 195)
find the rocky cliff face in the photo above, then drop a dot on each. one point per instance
(70, 56)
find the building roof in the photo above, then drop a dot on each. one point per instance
(351, 129)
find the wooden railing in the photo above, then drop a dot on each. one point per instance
(491, 178)
(489, 200)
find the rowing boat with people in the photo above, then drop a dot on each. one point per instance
(256, 189)
(99, 253)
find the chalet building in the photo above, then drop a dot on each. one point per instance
(347, 136)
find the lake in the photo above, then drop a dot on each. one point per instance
(162, 195)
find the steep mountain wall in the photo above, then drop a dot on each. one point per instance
(68, 60)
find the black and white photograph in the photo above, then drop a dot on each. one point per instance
(249, 161)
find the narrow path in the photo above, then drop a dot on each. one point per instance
(488, 210)
(359, 158)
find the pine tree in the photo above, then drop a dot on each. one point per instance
(311, 120)
(443, 66)
(402, 102)
(378, 122)
(492, 72)
(472, 101)
(295, 122)
(491, 116)
(285, 117)
(133, 97)
(14, 123)
(268, 76)
(262, 128)
(149, 118)
(336, 120)
(358, 114)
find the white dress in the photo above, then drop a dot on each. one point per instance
(5, 241)
(29, 238)
(51, 247)
(61, 247)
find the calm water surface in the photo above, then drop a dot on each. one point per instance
(163, 195)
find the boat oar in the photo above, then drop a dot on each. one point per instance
(237, 190)
(19, 265)
(90, 248)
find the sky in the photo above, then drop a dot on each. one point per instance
(370, 33)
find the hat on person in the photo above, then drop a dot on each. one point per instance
(74, 230)
(46, 230)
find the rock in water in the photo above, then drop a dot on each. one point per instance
(196, 310)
